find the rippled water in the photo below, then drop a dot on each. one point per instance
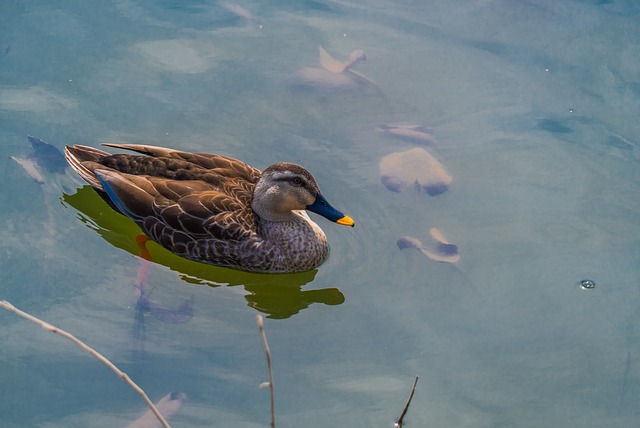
(534, 109)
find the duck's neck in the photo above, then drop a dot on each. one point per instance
(300, 243)
(276, 225)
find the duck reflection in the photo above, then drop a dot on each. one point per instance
(45, 164)
(44, 158)
(182, 313)
(277, 295)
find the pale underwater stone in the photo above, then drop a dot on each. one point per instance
(334, 66)
(334, 74)
(443, 251)
(414, 168)
(319, 77)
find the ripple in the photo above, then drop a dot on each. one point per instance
(34, 99)
(175, 55)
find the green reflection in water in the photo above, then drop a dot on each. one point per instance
(278, 295)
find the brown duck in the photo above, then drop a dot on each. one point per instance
(213, 208)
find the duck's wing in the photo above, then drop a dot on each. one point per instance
(223, 165)
(190, 206)
(183, 215)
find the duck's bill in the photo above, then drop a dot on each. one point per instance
(323, 208)
(346, 221)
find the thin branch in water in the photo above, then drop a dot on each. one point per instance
(398, 423)
(8, 306)
(265, 345)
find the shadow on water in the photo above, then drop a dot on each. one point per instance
(276, 295)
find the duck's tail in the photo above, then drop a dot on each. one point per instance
(84, 160)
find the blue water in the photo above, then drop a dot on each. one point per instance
(534, 106)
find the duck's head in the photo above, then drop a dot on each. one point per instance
(286, 187)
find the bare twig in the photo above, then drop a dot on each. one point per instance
(398, 423)
(8, 306)
(265, 345)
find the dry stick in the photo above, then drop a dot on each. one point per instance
(406, 406)
(268, 354)
(8, 306)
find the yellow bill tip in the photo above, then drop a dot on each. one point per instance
(346, 221)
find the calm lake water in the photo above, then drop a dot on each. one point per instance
(534, 107)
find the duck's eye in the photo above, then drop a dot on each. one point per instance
(297, 181)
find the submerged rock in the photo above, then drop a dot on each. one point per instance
(441, 251)
(334, 66)
(414, 168)
(334, 74)
(321, 78)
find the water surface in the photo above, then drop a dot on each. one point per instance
(534, 106)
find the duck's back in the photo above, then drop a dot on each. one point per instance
(184, 201)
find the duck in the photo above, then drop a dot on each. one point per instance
(213, 208)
